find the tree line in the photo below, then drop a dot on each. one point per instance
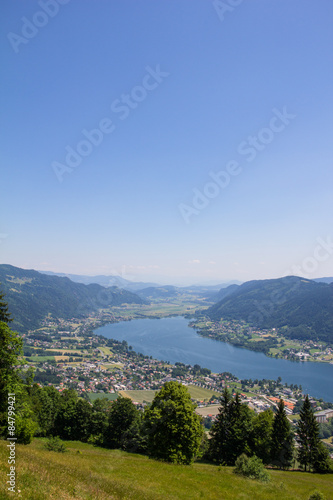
(169, 429)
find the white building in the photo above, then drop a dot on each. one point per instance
(324, 415)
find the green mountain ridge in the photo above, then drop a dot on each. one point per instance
(32, 296)
(302, 306)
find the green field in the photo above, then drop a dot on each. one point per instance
(99, 395)
(39, 359)
(106, 350)
(139, 396)
(208, 410)
(201, 394)
(197, 393)
(91, 473)
(112, 366)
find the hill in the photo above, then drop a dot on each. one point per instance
(32, 296)
(103, 280)
(324, 280)
(303, 307)
(162, 292)
(89, 472)
(224, 292)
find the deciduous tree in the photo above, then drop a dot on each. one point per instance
(174, 429)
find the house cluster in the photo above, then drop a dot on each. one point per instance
(324, 415)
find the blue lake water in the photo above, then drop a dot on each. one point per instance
(170, 339)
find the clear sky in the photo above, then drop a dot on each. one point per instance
(177, 141)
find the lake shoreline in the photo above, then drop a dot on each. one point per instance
(171, 339)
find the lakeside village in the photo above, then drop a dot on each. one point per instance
(68, 355)
(269, 341)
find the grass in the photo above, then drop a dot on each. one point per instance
(106, 350)
(99, 395)
(91, 473)
(208, 410)
(197, 393)
(201, 394)
(112, 366)
(71, 351)
(139, 396)
(39, 359)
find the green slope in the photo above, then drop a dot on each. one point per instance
(32, 296)
(302, 305)
(88, 472)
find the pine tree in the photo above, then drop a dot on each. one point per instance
(221, 429)
(282, 440)
(261, 439)
(231, 432)
(308, 436)
(4, 314)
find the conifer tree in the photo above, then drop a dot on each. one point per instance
(261, 440)
(4, 314)
(282, 439)
(308, 435)
(231, 432)
(221, 429)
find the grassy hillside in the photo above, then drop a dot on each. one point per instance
(32, 296)
(86, 472)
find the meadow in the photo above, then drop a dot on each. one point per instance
(91, 473)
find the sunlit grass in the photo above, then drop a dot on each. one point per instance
(86, 472)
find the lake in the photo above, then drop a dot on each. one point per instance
(170, 339)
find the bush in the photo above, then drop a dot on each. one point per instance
(316, 495)
(25, 429)
(251, 467)
(55, 444)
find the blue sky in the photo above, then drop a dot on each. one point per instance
(121, 118)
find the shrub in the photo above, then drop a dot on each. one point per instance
(55, 444)
(25, 429)
(316, 495)
(251, 467)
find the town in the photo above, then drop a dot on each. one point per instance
(68, 355)
(270, 341)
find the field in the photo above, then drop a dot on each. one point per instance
(201, 394)
(70, 351)
(208, 410)
(139, 396)
(159, 309)
(98, 395)
(106, 350)
(111, 366)
(91, 473)
(39, 359)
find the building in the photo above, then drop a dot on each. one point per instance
(323, 416)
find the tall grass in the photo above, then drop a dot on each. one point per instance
(87, 472)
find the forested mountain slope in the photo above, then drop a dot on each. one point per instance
(303, 306)
(32, 296)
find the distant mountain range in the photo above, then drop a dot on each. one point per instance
(323, 280)
(103, 280)
(304, 308)
(32, 296)
(135, 286)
